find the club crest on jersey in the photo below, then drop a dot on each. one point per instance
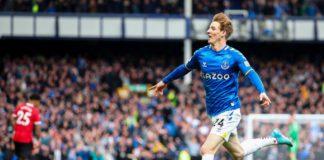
(225, 65)
(204, 64)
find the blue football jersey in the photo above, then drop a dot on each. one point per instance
(219, 73)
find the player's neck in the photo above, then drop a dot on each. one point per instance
(218, 46)
(34, 103)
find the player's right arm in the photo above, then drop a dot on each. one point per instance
(180, 71)
(13, 117)
(13, 120)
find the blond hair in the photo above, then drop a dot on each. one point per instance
(225, 23)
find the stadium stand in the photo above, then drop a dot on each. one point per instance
(268, 8)
(86, 97)
(96, 106)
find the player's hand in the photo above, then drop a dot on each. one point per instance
(36, 143)
(157, 90)
(264, 100)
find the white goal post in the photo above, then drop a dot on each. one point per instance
(282, 119)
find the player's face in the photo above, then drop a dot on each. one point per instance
(214, 33)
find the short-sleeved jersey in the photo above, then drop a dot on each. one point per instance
(219, 73)
(26, 116)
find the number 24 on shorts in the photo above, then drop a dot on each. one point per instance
(219, 122)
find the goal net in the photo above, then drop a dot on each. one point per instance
(311, 139)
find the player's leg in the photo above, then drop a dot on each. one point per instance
(238, 151)
(210, 146)
(23, 150)
(233, 146)
(19, 151)
(224, 124)
(293, 151)
(252, 145)
(292, 156)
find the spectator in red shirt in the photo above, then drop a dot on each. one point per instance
(24, 118)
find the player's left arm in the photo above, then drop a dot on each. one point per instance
(254, 78)
(37, 123)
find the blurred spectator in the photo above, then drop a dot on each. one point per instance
(269, 8)
(95, 6)
(83, 116)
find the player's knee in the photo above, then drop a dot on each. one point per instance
(205, 150)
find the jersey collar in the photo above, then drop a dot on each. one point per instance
(29, 104)
(224, 48)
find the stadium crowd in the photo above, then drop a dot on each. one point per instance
(88, 112)
(275, 8)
